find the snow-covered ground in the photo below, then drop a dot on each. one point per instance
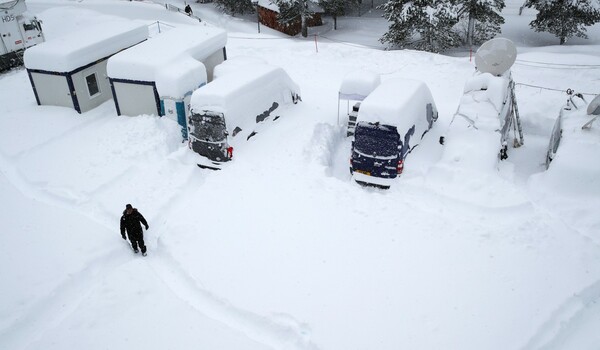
(281, 250)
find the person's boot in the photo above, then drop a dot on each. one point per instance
(135, 251)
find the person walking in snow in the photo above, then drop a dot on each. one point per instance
(131, 222)
(188, 10)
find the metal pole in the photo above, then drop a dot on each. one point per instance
(255, 3)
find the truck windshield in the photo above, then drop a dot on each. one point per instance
(376, 140)
(208, 127)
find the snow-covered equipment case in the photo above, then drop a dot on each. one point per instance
(158, 76)
(70, 70)
(392, 120)
(18, 31)
(487, 112)
(573, 130)
(356, 86)
(227, 111)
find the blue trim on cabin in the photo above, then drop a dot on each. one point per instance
(73, 93)
(137, 82)
(37, 98)
(114, 94)
(157, 100)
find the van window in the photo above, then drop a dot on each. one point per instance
(92, 85)
(208, 127)
(376, 140)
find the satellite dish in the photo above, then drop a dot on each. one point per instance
(594, 106)
(496, 56)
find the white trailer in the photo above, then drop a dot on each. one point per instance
(18, 31)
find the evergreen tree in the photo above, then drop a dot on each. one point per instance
(421, 24)
(482, 18)
(234, 7)
(564, 18)
(337, 8)
(292, 10)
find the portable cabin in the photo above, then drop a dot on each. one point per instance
(355, 87)
(70, 70)
(158, 76)
(229, 110)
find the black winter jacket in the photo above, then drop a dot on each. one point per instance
(131, 223)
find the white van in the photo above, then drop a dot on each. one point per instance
(224, 113)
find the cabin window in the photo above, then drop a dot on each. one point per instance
(92, 84)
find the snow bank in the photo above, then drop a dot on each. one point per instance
(69, 52)
(357, 85)
(398, 102)
(171, 59)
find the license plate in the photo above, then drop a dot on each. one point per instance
(363, 172)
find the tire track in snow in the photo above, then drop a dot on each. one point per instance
(48, 312)
(565, 319)
(289, 336)
(65, 298)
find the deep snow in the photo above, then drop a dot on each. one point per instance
(281, 250)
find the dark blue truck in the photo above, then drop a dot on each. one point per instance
(392, 120)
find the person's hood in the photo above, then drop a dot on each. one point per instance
(134, 211)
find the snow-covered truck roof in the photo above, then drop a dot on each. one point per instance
(248, 92)
(357, 85)
(71, 51)
(171, 59)
(398, 102)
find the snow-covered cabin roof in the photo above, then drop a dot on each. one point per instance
(248, 92)
(357, 85)
(69, 52)
(398, 102)
(171, 59)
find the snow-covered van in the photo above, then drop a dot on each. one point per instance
(392, 120)
(575, 125)
(225, 112)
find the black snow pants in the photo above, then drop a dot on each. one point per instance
(137, 239)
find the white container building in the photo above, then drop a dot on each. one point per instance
(70, 70)
(158, 76)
